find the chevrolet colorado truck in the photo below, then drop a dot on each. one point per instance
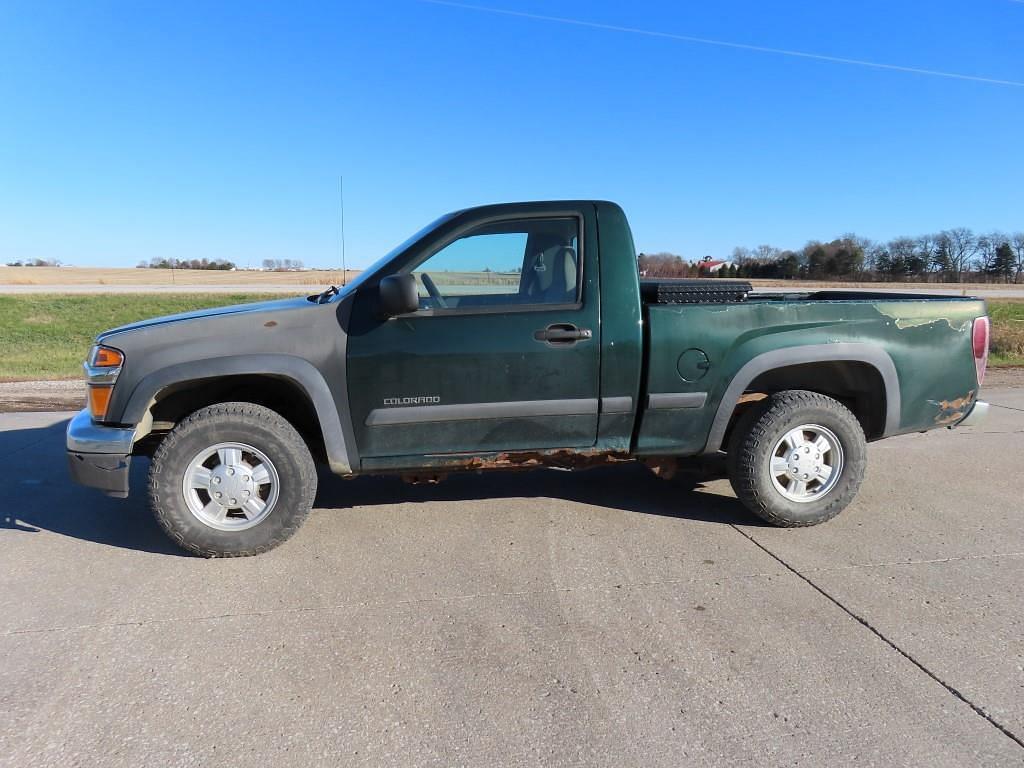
(516, 336)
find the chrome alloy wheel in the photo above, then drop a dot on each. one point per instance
(231, 486)
(806, 463)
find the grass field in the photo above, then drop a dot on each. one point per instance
(46, 337)
(120, 276)
(1007, 332)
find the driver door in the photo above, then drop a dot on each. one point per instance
(502, 354)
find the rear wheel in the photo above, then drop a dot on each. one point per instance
(232, 479)
(799, 461)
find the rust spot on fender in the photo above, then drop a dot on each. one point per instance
(951, 411)
(751, 397)
(270, 324)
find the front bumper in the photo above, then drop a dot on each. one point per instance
(99, 456)
(977, 415)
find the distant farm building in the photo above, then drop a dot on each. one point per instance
(712, 266)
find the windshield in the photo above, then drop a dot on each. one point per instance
(379, 264)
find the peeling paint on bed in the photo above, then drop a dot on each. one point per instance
(904, 322)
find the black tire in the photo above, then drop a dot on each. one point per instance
(740, 429)
(753, 443)
(245, 423)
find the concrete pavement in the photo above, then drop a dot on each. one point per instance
(601, 618)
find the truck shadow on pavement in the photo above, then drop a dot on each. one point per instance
(627, 487)
(45, 499)
(42, 496)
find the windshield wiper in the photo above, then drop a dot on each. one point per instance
(324, 296)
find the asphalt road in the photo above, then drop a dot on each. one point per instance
(603, 618)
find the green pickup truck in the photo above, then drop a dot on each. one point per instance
(516, 336)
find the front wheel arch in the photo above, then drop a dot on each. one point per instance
(339, 445)
(284, 396)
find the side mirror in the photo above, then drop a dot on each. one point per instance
(398, 295)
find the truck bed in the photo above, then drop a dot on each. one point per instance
(695, 350)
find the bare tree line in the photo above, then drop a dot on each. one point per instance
(269, 265)
(162, 263)
(282, 265)
(34, 263)
(952, 255)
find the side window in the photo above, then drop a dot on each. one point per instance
(520, 262)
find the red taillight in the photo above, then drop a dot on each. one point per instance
(980, 341)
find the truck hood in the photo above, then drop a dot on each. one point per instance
(278, 305)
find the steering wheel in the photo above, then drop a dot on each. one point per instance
(435, 294)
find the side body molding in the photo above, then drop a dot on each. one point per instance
(295, 369)
(853, 352)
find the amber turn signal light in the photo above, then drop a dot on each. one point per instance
(99, 399)
(105, 357)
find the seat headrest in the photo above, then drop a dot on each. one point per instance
(552, 269)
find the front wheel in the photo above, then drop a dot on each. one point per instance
(232, 479)
(800, 461)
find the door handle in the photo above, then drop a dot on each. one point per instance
(562, 334)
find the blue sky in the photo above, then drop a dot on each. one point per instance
(218, 130)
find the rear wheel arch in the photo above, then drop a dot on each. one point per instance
(862, 376)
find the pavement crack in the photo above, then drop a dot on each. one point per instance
(24, 448)
(881, 636)
(992, 432)
(1007, 407)
(932, 561)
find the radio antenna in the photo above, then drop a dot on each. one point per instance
(341, 200)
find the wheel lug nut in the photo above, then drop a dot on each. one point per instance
(218, 494)
(216, 481)
(233, 501)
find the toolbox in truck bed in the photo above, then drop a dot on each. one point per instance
(699, 291)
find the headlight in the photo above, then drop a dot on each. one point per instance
(101, 370)
(105, 357)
